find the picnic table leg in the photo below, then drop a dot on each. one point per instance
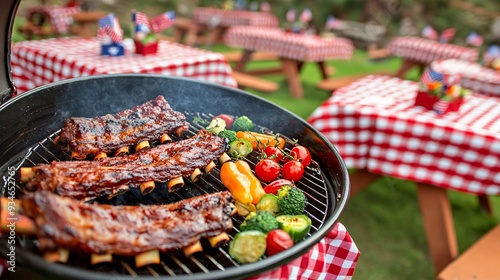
(438, 223)
(405, 67)
(292, 75)
(325, 71)
(240, 66)
(360, 179)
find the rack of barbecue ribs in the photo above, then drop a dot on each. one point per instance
(101, 230)
(153, 120)
(170, 162)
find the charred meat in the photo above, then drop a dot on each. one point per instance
(149, 121)
(127, 230)
(91, 179)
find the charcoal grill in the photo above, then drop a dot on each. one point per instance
(30, 122)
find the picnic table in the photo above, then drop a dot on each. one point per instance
(379, 132)
(35, 63)
(48, 20)
(419, 52)
(292, 49)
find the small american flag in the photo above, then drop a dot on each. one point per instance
(163, 21)
(333, 23)
(141, 22)
(447, 35)
(429, 33)
(491, 54)
(306, 15)
(290, 15)
(474, 39)
(440, 106)
(111, 27)
(430, 76)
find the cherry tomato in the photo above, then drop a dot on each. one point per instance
(273, 153)
(302, 154)
(274, 186)
(267, 170)
(293, 170)
(277, 240)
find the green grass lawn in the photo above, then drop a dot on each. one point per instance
(384, 219)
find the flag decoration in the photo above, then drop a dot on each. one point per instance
(491, 57)
(141, 22)
(162, 21)
(447, 35)
(474, 39)
(110, 26)
(265, 7)
(439, 92)
(110, 35)
(290, 15)
(306, 15)
(333, 23)
(429, 33)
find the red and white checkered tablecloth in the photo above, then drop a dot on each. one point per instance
(60, 17)
(35, 63)
(426, 51)
(226, 18)
(474, 76)
(294, 46)
(334, 257)
(375, 126)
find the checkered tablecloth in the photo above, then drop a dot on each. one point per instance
(426, 51)
(60, 17)
(289, 45)
(334, 257)
(474, 76)
(35, 63)
(225, 18)
(375, 126)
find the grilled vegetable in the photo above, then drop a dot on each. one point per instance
(268, 203)
(216, 125)
(297, 226)
(260, 140)
(262, 221)
(241, 182)
(229, 134)
(236, 182)
(240, 148)
(227, 118)
(267, 170)
(243, 123)
(277, 240)
(291, 200)
(248, 246)
(275, 185)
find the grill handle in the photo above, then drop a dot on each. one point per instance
(7, 15)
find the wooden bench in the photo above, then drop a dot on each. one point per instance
(480, 261)
(236, 56)
(246, 80)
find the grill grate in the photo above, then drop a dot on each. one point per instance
(174, 263)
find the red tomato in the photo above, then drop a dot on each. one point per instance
(273, 153)
(277, 240)
(293, 170)
(302, 154)
(274, 186)
(267, 170)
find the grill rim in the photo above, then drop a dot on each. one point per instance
(340, 196)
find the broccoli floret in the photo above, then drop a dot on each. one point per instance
(291, 200)
(262, 221)
(242, 123)
(229, 134)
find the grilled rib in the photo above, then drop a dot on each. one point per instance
(149, 121)
(92, 179)
(127, 230)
